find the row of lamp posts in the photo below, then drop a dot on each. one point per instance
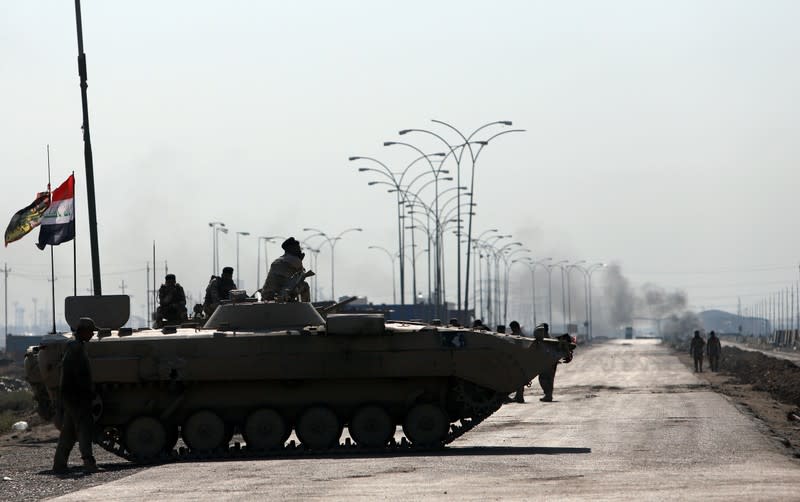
(434, 218)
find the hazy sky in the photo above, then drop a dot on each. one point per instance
(660, 135)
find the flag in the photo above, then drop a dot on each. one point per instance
(28, 218)
(58, 222)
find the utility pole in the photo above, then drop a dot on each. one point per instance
(122, 286)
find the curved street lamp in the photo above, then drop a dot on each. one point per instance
(457, 158)
(332, 243)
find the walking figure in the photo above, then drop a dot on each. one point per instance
(696, 350)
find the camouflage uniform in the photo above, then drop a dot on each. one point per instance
(714, 350)
(172, 303)
(280, 271)
(76, 400)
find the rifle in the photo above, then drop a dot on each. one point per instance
(289, 292)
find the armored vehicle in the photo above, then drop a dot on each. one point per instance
(265, 370)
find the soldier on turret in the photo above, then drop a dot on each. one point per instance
(281, 272)
(218, 289)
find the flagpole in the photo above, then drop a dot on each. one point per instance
(74, 242)
(52, 265)
(87, 155)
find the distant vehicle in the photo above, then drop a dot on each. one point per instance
(629, 332)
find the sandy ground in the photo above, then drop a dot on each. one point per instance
(630, 421)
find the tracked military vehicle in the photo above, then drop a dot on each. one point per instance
(267, 369)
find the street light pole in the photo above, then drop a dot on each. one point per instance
(590, 270)
(214, 225)
(550, 289)
(391, 259)
(216, 243)
(237, 256)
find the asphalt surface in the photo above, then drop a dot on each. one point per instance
(629, 422)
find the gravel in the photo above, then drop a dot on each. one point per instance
(26, 459)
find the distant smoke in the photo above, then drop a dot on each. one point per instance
(622, 303)
(619, 296)
(655, 301)
(679, 326)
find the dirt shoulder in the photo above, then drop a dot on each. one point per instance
(760, 386)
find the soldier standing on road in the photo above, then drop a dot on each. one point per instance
(516, 330)
(218, 289)
(76, 401)
(171, 302)
(282, 269)
(547, 377)
(714, 350)
(696, 350)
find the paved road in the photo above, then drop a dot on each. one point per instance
(630, 422)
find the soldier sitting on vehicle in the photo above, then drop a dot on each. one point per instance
(218, 289)
(285, 278)
(171, 303)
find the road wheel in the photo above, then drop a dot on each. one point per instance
(145, 438)
(426, 425)
(204, 431)
(265, 429)
(371, 427)
(318, 428)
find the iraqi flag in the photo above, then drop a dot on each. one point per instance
(58, 222)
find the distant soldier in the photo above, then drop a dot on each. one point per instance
(696, 350)
(76, 401)
(714, 350)
(516, 330)
(547, 378)
(281, 273)
(218, 289)
(171, 302)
